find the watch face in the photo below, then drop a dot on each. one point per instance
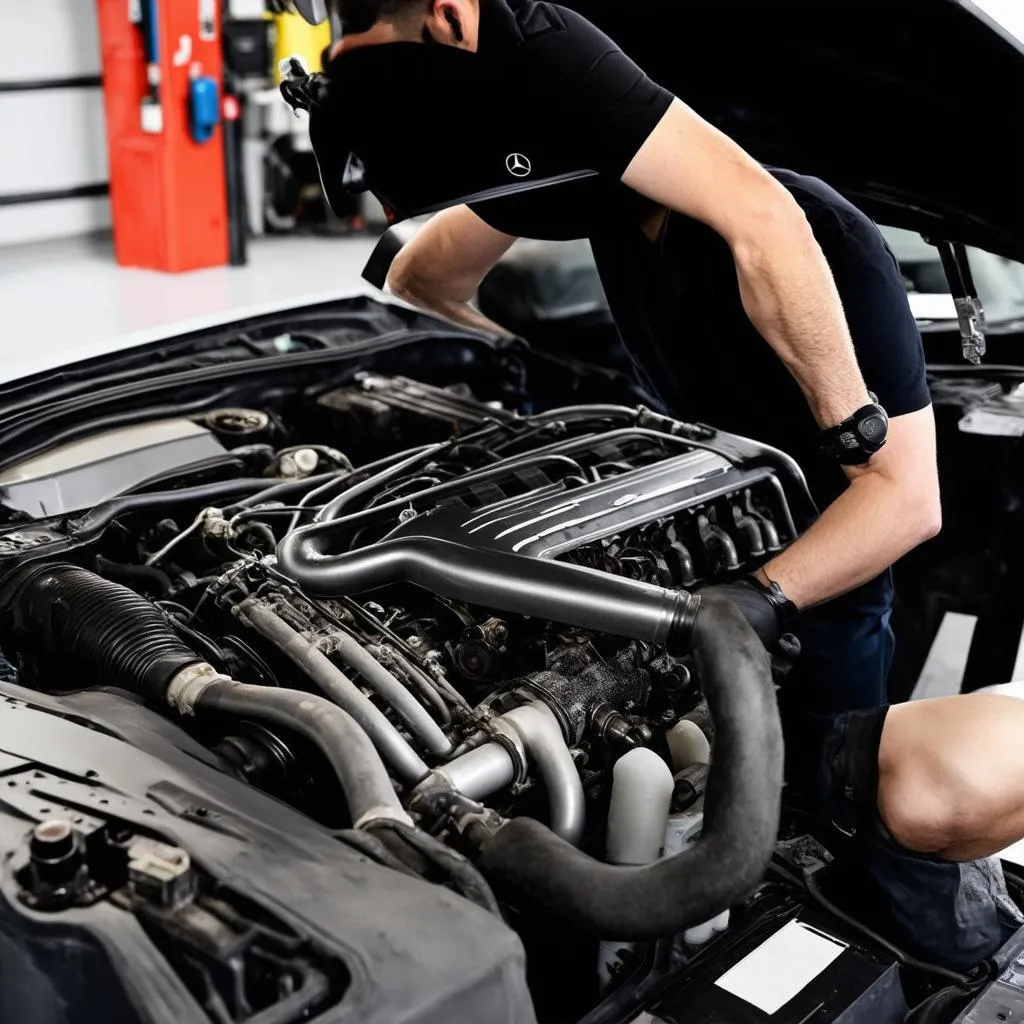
(873, 428)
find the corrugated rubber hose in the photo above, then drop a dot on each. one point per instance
(123, 640)
(121, 637)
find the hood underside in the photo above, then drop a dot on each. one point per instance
(908, 108)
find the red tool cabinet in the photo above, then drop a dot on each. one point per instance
(167, 191)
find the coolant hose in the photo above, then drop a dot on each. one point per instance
(740, 820)
(383, 683)
(122, 638)
(364, 780)
(518, 584)
(336, 685)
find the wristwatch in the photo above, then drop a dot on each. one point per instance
(785, 610)
(856, 439)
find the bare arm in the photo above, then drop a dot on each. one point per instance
(787, 287)
(890, 507)
(892, 504)
(441, 269)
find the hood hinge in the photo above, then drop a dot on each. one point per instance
(969, 309)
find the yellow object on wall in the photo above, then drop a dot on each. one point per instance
(296, 38)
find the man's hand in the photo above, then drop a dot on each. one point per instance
(890, 507)
(755, 603)
(763, 614)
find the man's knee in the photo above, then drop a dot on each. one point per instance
(939, 787)
(914, 813)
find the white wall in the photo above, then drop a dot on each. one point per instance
(55, 138)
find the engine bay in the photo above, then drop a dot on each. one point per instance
(461, 638)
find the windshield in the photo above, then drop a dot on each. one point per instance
(1000, 282)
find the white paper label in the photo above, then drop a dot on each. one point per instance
(151, 117)
(183, 54)
(207, 20)
(781, 967)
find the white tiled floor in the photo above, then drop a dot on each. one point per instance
(68, 300)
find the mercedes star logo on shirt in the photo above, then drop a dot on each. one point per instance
(518, 165)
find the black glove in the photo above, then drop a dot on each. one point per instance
(768, 615)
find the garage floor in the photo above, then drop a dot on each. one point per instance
(67, 300)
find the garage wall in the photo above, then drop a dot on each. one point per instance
(51, 139)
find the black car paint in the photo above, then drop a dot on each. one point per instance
(901, 106)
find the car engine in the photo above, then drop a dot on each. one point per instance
(464, 640)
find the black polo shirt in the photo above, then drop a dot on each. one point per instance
(600, 106)
(677, 301)
(678, 308)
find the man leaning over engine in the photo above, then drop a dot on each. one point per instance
(755, 299)
(728, 283)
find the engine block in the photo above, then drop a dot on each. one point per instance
(706, 514)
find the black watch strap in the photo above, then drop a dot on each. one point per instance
(857, 438)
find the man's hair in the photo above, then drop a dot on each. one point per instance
(362, 15)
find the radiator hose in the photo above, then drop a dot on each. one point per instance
(123, 640)
(741, 816)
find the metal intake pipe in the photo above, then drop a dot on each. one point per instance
(540, 733)
(480, 772)
(510, 583)
(483, 771)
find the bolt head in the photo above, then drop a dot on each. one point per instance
(53, 840)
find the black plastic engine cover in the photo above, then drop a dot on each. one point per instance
(1003, 1000)
(550, 521)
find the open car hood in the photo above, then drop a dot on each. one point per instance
(907, 108)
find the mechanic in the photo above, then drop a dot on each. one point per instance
(757, 300)
(705, 256)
